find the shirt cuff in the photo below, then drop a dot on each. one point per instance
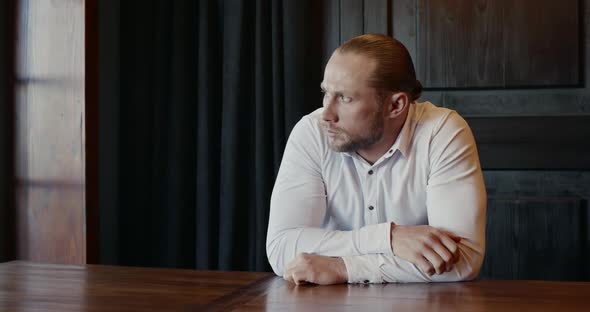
(375, 239)
(363, 269)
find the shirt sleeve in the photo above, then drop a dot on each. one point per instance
(298, 208)
(456, 202)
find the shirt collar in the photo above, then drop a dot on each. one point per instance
(402, 142)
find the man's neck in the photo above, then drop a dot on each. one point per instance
(390, 133)
(373, 153)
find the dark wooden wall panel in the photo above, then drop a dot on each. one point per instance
(351, 19)
(403, 15)
(377, 16)
(547, 102)
(532, 142)
(460, 43)
(536, 238)
(50, 132)
(541, 40)
(515, 156)
(486, 43)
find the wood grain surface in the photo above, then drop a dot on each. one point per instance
(27, 286)
(467, 44)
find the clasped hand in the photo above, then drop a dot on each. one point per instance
(316, 269)
(431, 249)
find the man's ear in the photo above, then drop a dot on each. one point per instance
(397, 103)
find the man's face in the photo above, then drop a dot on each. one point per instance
(353, 112)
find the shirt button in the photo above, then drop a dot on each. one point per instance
(370, 172)
(371, 207)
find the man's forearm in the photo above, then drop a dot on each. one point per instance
(381, 268)
(284, 245)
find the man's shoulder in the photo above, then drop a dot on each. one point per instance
(314, 116)
(427, 112)
(433, 117)
(310, 124)
(307, 132)
(307, 142)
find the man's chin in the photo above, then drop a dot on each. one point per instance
(341, 147)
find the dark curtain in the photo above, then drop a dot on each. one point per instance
(6, 219)
(197, 101)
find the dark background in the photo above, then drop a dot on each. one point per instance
(193, 140)
(6, 227)
(197, 99)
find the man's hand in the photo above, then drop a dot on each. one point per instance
(310, 268)
(431, 249)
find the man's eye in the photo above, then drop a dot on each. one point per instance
(345, 99)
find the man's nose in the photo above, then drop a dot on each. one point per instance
(329, 113)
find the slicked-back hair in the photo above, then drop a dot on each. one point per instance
(394, 71)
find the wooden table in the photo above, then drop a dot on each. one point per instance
(28, 286)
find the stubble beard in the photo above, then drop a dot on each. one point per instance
(351, 143)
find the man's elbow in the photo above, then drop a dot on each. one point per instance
(273, 256)
(470, 270)
(277, 268)
(471, 273)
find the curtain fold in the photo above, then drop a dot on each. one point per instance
(208, 92)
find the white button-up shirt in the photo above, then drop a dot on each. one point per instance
(337, 204)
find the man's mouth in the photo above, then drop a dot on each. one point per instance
(331, 131)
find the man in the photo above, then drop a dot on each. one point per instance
(375, 187)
